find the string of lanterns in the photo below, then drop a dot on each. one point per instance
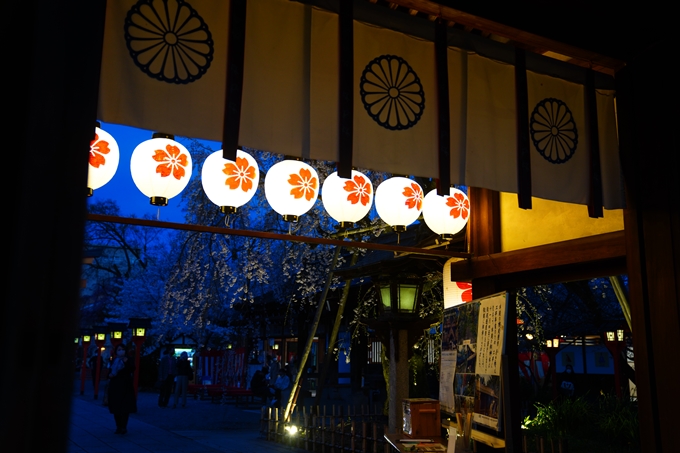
(161, 169)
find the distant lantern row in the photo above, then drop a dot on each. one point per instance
(161, 169)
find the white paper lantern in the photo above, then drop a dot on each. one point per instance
(446, 215)
(399, 202)
(291, 188)
(161, 168)
(457, 293)
(347, 200)
(230, 184)
(104, 157)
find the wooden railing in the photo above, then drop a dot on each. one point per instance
(333, 429)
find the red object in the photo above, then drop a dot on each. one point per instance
(83, 370)
(138, 341)
(97, 371)
(421, 417)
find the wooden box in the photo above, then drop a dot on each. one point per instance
(421, 418)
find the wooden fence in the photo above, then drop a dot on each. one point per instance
(345, 430)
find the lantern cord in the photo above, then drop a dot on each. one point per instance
(158, 214)
(227, 224)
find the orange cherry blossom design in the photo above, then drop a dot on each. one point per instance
(460, 205)
(304, 184)
(97, 150)
(359, 190)
(466, 294)
(173, 162)
(240, 173)
(414, 196)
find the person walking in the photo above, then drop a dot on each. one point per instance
(258, 384)
(184, 374)
(280, 389)
(167, 369)
(122, 398)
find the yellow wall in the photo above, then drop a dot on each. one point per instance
(550, 221)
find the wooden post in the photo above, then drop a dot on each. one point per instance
(270, 425)
(341, 428)
(305, 425)
(330, 357)
(314, 432)
(310, 339)
(375, 437)
(333, 431)
(352, 439)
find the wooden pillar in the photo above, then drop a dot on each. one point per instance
(485, 235)
(52, 112)
(652, 227)
(399, 375)
(485, 222)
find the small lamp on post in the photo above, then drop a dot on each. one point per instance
(619, 335)
(615, 344)
(116, 333)
(76, 344)
(553, 347)
(139, 327)
(86, 336)
(399, 318)
(99, 340)
(399, 296)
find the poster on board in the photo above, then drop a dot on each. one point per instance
(473, 341)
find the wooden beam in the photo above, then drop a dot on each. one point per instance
(485, 218)
(593, 256)
(276, 236)
(579, 57)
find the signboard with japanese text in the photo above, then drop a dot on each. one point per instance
(473, 342)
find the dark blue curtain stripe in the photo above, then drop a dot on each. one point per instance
(444, 125)
(346, 76)
(523, 149)
(595, 199)
(234, 83)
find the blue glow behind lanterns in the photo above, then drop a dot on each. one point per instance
(161, 168)
(230, 184)
(347, 200)
(104, 158)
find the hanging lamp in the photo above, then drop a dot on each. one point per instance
(291, 188)
(230, 184)
(161, 168)
(347, 200)
(446, 215)
(104, 157)
(399, 202)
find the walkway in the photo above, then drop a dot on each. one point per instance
(200, 427)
